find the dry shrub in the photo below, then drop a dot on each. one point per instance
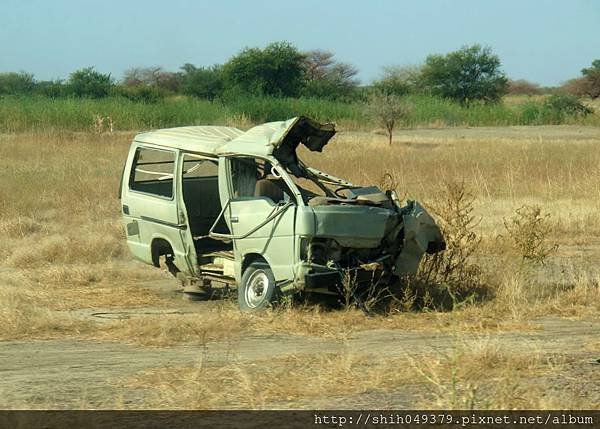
(446, 280)
(528, 231)
(481, 374)
(453, 277)
(387, 110)
(521, 287)
(103, 124)
(370, 296)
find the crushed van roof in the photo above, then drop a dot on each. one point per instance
(260, 140)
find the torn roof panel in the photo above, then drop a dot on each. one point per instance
(260, 140)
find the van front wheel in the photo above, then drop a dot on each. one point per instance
(257, 290)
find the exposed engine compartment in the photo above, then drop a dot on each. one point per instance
(387, 238)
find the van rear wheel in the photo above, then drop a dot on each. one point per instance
(257, 290)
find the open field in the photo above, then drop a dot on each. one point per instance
(84, 326)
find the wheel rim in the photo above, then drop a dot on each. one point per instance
(256, 291)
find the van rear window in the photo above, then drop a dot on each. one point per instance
(153, 172)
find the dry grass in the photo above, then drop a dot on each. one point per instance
(284, 381)
(60, 226)
(63, 251)
(483, 374)
(225, 322)
(477, 373)
(21, 317)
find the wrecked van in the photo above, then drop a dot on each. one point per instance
(224, 208)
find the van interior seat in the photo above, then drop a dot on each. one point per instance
(266, 188)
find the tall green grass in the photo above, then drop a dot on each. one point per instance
(39, 113)
(427, 110)
(18, 114)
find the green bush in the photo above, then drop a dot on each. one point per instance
(90, 83)
(202, 82)
(141, 93)
(16, 83)
(556, 109)
(51, 88)
(567, 105)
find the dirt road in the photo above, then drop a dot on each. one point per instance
(84, 374)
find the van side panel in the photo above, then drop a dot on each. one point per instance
(147, 217)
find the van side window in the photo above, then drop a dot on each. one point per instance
(252, 178)
(195, 167)
(244, 174)
(153, 172)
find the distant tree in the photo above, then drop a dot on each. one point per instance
(134, 76)
(277, 70)
(469, 74)
(152, 76)
(523, 87)
(202, 82)
(578, 87)
(16, 83)
(328, 78)
(51, 88)
(592, 79)
(399, 80)
(88, 82)
(387, 110)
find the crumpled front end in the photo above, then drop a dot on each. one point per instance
(420, 235)
(374, 239)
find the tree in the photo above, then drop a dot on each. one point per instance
(277, 70)
(592, 79)
(523, 87)
(387, 110)
(51, 88)
(134, 76)
(87, 82)
(399, 80)
(202, 82)
(578, 87)
(328, 78)
(16, 83)
(469, 74)
(153, 77)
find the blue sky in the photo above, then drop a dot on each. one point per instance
(543, 41)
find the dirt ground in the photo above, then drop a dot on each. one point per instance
(70, 373)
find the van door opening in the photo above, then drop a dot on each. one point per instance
(203, 205)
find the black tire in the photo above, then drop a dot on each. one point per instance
(257, 290)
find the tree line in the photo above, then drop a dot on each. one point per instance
(469, 75)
